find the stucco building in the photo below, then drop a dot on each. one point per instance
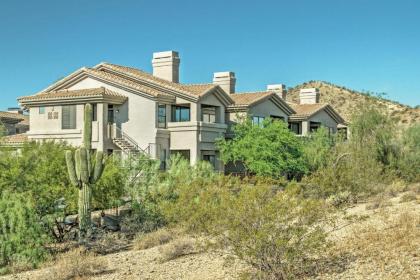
(135, 111)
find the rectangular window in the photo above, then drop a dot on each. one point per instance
(277, 118)
(313, 126)
(94, 112)
(68, 117)
(162, 116)
(110, 113)
(256, 120)
(41, 110)
(208, 114)
(180, 113)
(295, 127)
(211, 159)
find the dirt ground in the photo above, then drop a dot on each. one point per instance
(373, 224)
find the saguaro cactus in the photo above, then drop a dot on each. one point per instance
(84, 172)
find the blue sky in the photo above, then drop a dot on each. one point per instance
(361, 44)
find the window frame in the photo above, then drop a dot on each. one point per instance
(208, 114)
(162, 118)
(259, 122)
(41, 110)
(299, 127)
(177, 111)
(72, 118)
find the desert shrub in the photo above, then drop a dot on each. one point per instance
(408, 164)
(270, 149)
(361, 166)
(396, 187)
(177, 248)
(316, 149)
(409, 196)
(156, 192)
(40, 171)
(22, 238)
(341, 198)
(152, 239)
(75, 264)
(109, 190)
(348, 170)
(276, 232)
(373, 131)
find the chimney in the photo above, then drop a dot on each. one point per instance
(226, 80)
(309, 96)
(280, 89)
(166, 65)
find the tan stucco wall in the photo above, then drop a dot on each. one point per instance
(266, 109)
(136, 117)
(321, 117)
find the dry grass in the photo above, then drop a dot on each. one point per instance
(379, 201)
(409, 196)
(391, 248)
(75, 264)
(396, 188)
(153, 239)
(178, 248)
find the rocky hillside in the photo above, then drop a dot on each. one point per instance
(345, 100)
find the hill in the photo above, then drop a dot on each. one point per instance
(345, 101)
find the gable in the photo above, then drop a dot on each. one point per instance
(323, 117)
(267, 108)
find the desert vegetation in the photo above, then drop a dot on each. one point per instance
(286, 219)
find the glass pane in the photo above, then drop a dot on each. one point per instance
(185, 114)
(69, 117)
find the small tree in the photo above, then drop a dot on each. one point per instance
(270, 149)
(408, 164)
(84, 172)
(21, 235)
(317, 148)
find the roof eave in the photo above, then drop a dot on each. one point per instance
(73, 100)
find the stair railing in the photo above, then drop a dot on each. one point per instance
(121, 134)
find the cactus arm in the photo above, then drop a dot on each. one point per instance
(84, 171)
(87, 128)
(71, 168)
(89, 163)
(77, 163)
(99, 167)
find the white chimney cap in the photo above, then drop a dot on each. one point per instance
(165, 54)
(276, 87)
(224, 74)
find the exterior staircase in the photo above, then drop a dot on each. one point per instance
(126, 146)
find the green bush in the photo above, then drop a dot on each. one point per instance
(110, 188)
(277, 232)
(39, 170)
(22, 237)
(408, 164)
(270, 149)
(317, 148)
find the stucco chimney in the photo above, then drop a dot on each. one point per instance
(166, 65)
(309, 96)
(226, 80)
(280, 89)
